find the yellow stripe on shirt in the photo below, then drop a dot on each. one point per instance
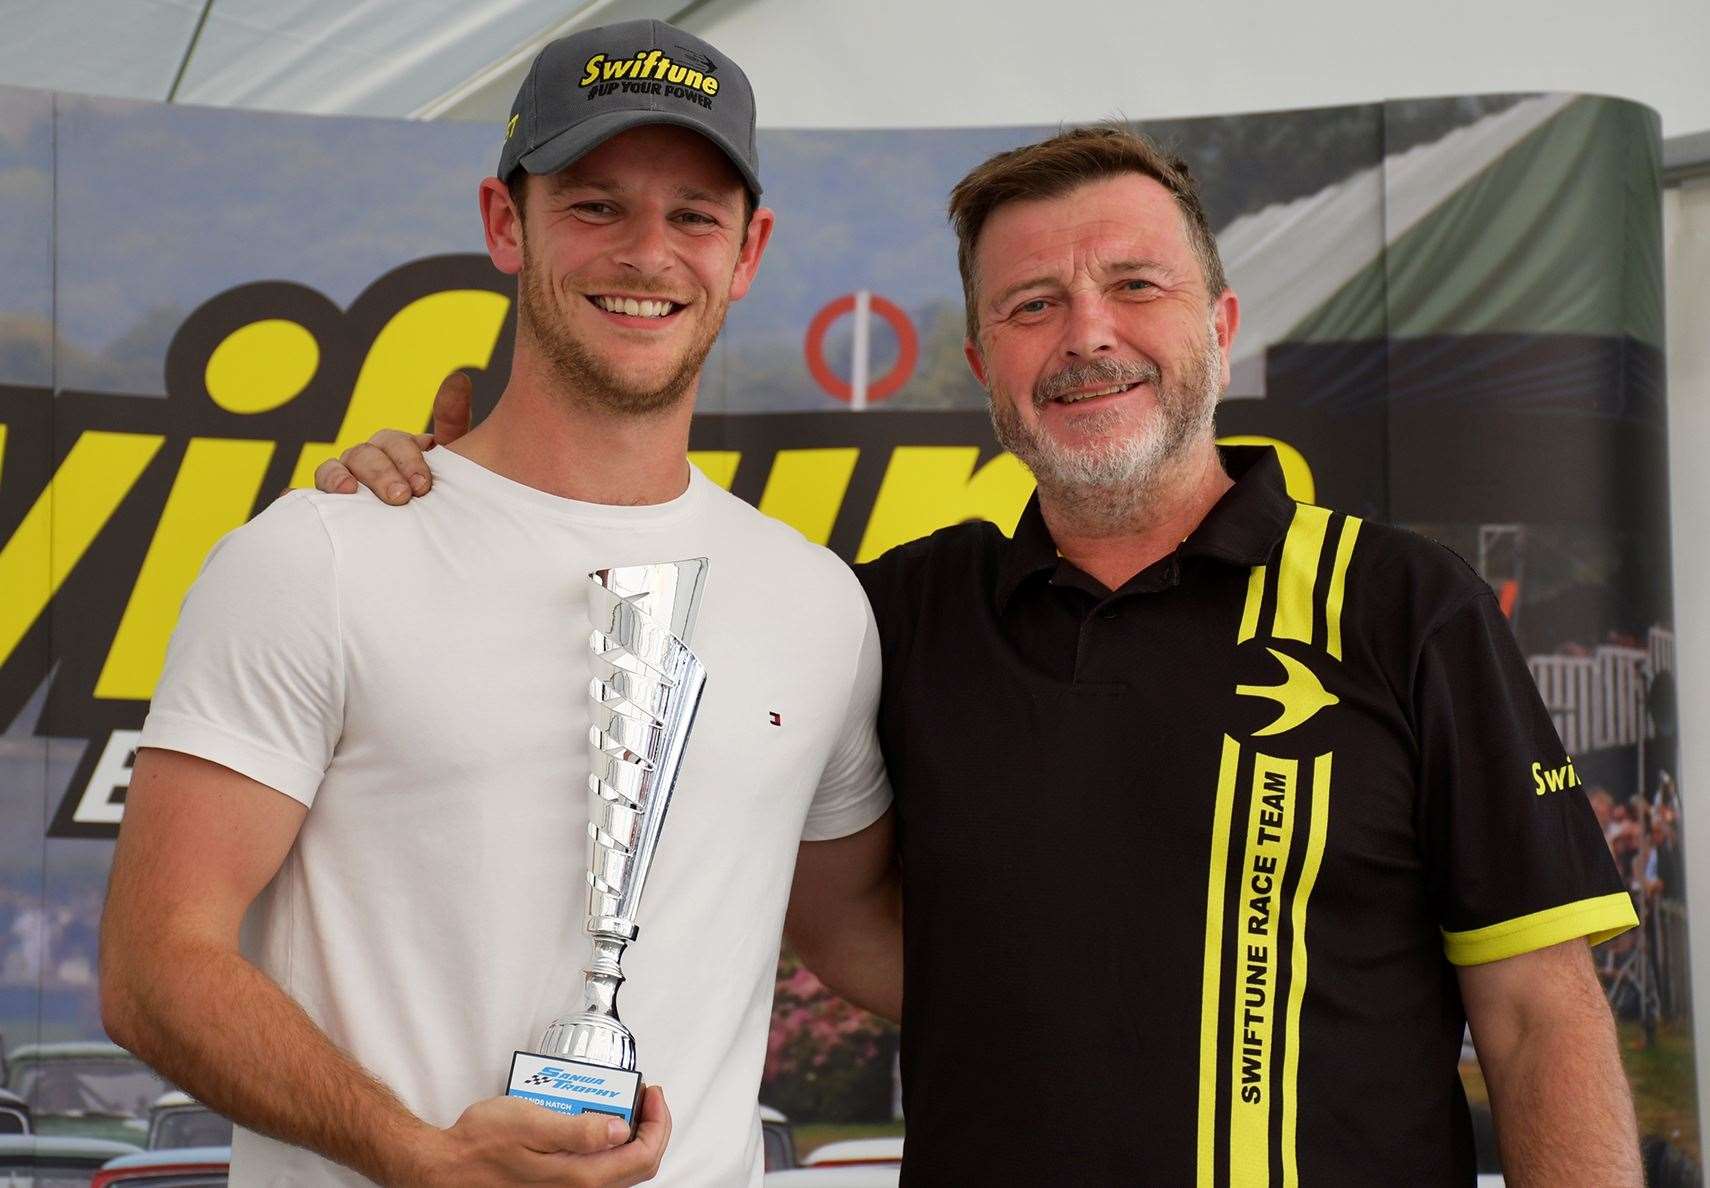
(1338, 582)
(1318, 826)
(1298, 573)
(1211, 974)
(1254, 1023)
(1250, 612)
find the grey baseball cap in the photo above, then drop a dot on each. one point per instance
(586, 88)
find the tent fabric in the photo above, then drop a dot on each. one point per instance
(1288, 262)
(1309, 270)
(1525, 245)
(127, 48)
(367, 57)
(355, 57)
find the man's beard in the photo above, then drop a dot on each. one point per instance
(1101, 485)
(580, 373)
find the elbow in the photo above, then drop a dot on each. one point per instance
(817, 952)
(120, 1009)
(835, 964)
(117, 1012)
(801, 942)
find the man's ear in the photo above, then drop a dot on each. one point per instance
(976, 361)
(502, 222)
(1225, 320)
(748, 259)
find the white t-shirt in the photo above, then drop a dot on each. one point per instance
(418, 677)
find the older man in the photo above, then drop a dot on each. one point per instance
(371, 733)
(1216, 814)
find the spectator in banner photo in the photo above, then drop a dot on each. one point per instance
(1602, 807)
(1625, 836)
(369, 745)
(1645, 879)
(1215, 810)
(1665, 836)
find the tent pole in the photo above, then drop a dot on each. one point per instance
(184, 63)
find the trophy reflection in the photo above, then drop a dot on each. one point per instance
(645, 691)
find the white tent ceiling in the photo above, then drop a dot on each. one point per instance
(878, 63)
(422, 58)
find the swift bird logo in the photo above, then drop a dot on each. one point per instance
(701, 61)
(1301, 695)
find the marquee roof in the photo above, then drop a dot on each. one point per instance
(400, 58)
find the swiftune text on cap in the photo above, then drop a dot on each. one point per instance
(650, 65)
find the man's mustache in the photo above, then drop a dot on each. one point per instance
(632, 286)
(1100, 373)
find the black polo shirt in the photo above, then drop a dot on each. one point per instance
(1187, 865)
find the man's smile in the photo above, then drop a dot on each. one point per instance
(1093, 393)
(632, 309)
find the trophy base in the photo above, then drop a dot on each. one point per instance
(573, 1087)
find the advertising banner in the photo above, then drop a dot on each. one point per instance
(1451, 320)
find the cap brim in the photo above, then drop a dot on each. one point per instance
(574, 143)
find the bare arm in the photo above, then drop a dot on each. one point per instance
(1547, 1045)
(845, 916)
(198, 843)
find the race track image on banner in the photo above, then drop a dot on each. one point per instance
(1451, 319)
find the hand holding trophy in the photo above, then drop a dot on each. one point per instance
(645, 692)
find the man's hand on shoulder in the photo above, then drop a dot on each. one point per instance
(505, 1140)
(391, 463)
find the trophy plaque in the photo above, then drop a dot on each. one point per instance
(646, 688)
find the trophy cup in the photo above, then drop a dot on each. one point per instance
(645, 692)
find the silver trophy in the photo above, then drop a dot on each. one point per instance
(646, 688)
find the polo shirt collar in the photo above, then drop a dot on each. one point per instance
(1241, 529)
(1253, 515)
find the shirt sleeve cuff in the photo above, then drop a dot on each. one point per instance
(829, 826)
(1596, 919)
(176, 732)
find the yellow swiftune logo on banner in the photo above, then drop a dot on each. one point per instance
(110, 503)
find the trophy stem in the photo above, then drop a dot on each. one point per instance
(603, 978)
(595, 1034)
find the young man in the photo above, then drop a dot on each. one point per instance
(371, 736)
(1235, 829)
